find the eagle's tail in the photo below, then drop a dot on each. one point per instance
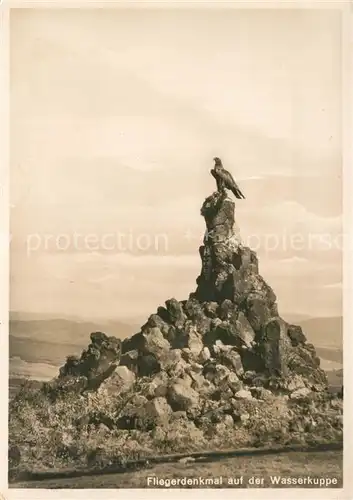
(237, 193)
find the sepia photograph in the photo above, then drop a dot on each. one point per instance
(176, 248)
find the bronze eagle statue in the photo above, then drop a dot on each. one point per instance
(224, 179)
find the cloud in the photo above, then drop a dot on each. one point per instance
(319, 193)
(137, 262)
(288, 228)
(118, 285)
(116, 135)
(293, 213)
(300, 272)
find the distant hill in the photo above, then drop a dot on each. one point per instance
(29, 316)
(295, 318)
(16, 382)
(66, 330)
(51, 340)
(324, 332)
(327, 336)
(335, 378)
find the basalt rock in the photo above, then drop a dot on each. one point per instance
(102, 354)
(87, 372)
(247, 307)
(227, 338)
(219, 369)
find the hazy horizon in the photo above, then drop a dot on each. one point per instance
(129, 320)
(115, 133)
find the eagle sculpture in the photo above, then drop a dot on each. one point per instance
(225, 180)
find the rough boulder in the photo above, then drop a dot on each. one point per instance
(220, 369)
(226, 342)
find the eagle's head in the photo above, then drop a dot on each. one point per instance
(217, 161)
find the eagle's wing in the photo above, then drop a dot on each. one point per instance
(218, 180)
(230, 183)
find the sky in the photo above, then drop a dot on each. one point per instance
(116, 115)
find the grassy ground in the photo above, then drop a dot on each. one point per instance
(314, 464)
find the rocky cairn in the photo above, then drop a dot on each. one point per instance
(219, 370)
(210, 359)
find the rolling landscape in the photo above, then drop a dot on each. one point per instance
(176, 225)
(38, 347)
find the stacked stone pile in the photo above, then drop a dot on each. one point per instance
(209, 357)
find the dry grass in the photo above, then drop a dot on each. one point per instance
(328, 464)
(72, 432)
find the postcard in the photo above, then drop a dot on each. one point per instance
(176, 249)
